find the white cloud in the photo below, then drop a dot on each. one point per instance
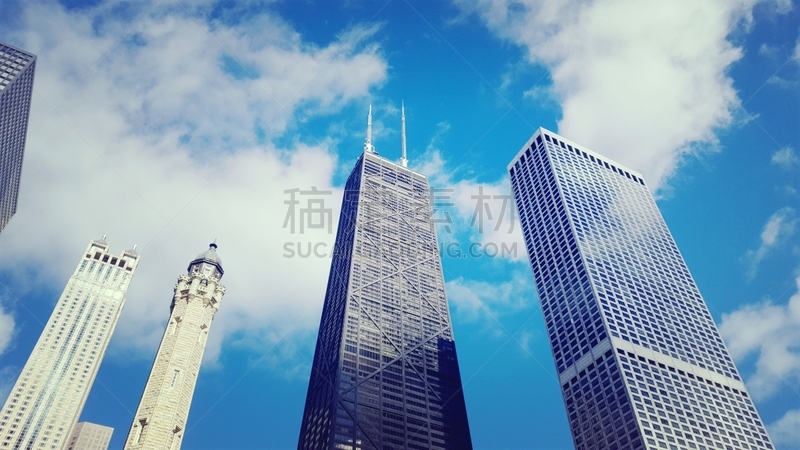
(783, 6)
(543, 95)
(780, 226)
(796, 54)
(475, 217)
(783, 83)
(644, 84)
(785, 432)
(785, 157)
(770, 332)
(154, 141)
(495, 305)
(482, 301)
(768, 50)
(6, 329)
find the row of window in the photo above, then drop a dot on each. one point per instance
(396, 371)
(647, 294)
(604, 260)
(571, 315)
(682, 410)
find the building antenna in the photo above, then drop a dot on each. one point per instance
(368, 147)
(403, 159)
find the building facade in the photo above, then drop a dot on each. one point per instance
(160, 420)
(49, 395)
(89, 436)
(17, 68)
(639, 358)
(385, 373)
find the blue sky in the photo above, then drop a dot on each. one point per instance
(168, 124)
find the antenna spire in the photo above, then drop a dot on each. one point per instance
(403, 159)
(368, 147)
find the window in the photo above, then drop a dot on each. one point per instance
(175, 376)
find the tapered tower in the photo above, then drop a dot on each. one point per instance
(49, 395)
(160, 420)
(385, 373)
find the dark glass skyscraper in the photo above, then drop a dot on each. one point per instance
(385, 373)
(640, 361)
(16, 88)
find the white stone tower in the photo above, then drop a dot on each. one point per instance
(49, 394)
(160, 420)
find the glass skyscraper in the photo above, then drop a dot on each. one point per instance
(385, 373)
(16, 88)
(49, 394)
(640, 361)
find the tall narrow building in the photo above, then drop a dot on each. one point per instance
(16, 89)
(49, 395)
(160, 420)
(640, 361)
(385, 373)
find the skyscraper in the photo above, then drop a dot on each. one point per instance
(16, 88)
(160, 420)
(48, 397)
(89, 436)
(385, 373)
(640, 361)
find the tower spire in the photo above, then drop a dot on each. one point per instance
(368, 147)
(403, 159)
